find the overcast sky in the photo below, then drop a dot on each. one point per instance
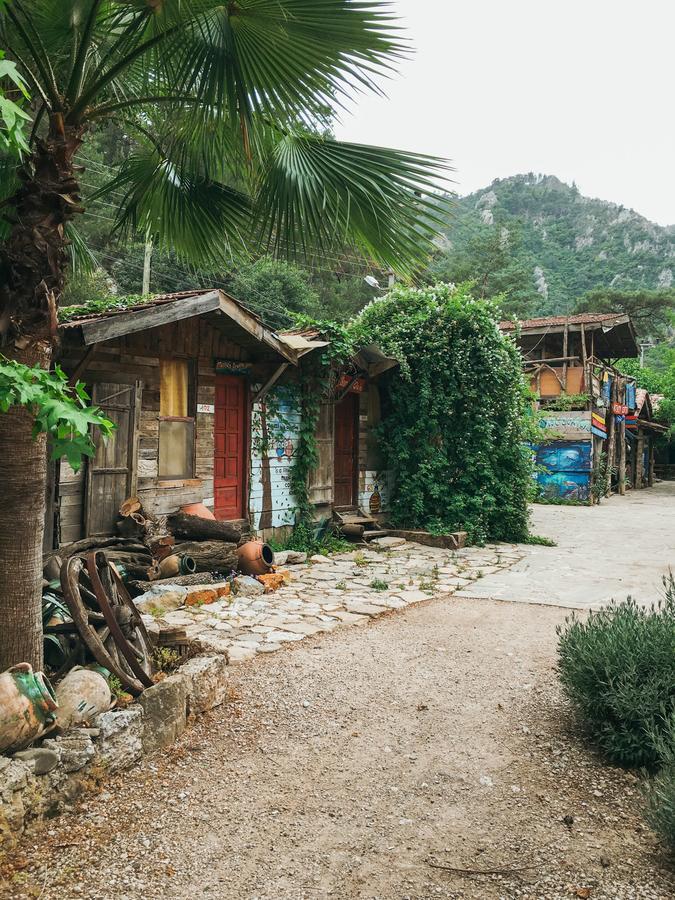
(581, 89)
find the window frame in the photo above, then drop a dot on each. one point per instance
(191, 419)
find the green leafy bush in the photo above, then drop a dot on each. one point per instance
(60, 410)
(618, 670)
(454, 425)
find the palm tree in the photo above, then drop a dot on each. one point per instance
(229, 104)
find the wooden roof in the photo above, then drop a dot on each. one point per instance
(614, 335)
(223, 311)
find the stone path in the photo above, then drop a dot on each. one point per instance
(346, 589)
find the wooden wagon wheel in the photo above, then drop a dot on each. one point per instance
(121, 616)
(97, 636)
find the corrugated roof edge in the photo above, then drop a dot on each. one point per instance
(578, 319)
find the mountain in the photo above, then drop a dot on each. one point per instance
(562, 243)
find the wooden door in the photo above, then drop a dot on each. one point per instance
(111, 474)
(229, 446)
(346, 451)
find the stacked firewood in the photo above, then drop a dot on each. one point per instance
(148, 549)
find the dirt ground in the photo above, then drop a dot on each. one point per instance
(355, 765)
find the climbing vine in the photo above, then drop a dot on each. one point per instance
(317, 379)
(454, 426)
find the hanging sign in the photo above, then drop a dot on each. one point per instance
(358, 386)
(232, 367)
(598, 426)
(619, 409)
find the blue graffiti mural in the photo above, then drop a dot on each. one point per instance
(565, 456)
(565, 472)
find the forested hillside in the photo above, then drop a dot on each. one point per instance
(546, 245)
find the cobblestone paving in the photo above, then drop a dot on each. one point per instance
(344, 590)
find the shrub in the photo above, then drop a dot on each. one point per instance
(453, 427)
(618, 670)
(660, 812)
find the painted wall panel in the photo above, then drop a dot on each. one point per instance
(271, 503)
(375, 493)
(574, 425)
(565, 469)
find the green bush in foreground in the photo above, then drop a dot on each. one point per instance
(618, 670)
(660, 811)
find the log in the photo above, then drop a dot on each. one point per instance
(197, 529)
(140, 586)
(100, 543)
(130, 505)
(210, 556)
(352, 531)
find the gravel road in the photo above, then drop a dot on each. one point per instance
(355, 764)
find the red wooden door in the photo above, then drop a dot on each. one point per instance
(346, 451)
(229, 447)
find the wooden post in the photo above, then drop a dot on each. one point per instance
(639, 460)
(652, 461)
(564, 353)
(584, 362)
(622, 456)
(611, 439)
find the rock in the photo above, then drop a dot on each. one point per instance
(161, 599)
(164, 708)
(206, 678)
(75, 749)
(41, 759)
(281, 557)
(319, 558)
(274, 637)
(412, 596)
(295, 558)
(362, 608)
(388, 543)
(120, 741)
(15, 776)
(237, 655)
(350, 618)
(303, 628)
(245, 586)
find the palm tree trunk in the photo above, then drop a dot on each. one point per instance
(32, 267)
(23, 470)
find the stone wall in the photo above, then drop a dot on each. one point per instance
(117, 740)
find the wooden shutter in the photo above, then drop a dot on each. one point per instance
(111, 473)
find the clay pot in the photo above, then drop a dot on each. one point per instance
(197, 509)
(27, 706)
(176, 565)
(255, 558)
(81, 695)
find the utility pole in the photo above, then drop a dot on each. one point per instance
(146, 266)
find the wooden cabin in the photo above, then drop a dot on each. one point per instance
(206, 401)
(179, 376)
(589, 410)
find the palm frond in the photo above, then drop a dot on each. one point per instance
(202, 220)
(320, 194)
(83, 260)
